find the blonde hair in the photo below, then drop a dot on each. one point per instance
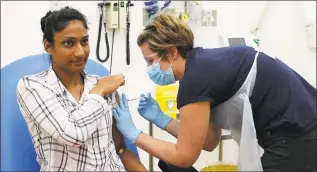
(167, 31)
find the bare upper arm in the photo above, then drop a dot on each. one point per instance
(194, 122)
(213, 137)
(117, 97)
(117, 136)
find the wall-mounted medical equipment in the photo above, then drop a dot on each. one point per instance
(154, 8)
(192, 11)
(114, 15)
(185, 16)
(129, 4)
(99, 34)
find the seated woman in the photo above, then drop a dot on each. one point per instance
(66, 109)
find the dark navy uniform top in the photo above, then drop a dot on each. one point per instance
(283, 103)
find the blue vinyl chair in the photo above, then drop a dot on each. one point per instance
(17, 150)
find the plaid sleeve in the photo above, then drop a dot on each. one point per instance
(48, 110)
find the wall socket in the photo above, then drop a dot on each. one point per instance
(209, 18)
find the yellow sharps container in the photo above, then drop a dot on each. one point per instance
(166, 98)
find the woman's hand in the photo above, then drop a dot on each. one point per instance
(108, 84)
(150, 110)
(124, 121)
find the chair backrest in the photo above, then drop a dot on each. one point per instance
(17, 150)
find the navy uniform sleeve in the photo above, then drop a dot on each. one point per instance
(192, 89)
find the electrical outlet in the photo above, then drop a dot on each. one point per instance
(204, 18)
(214, 18)
(208, 18)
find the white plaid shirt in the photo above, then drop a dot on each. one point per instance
(68, 136)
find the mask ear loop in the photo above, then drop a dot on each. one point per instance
(172, 63)
(160, 58)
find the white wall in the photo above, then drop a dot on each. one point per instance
(21, 33)
(282, 34)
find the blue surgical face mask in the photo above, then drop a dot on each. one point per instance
(158, 76)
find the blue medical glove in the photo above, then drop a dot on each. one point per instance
(124, 121)
(150, 110)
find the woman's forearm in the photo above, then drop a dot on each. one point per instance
(212, 139)
(162, 150)
(173, 127)
(131, 162)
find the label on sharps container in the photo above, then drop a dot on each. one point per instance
(166, 98)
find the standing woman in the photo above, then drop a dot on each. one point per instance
(220, 88)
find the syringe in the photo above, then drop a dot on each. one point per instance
(132, 99)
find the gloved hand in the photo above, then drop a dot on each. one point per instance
(150, 110)
(124, 121)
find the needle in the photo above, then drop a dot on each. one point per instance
(134, 99)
